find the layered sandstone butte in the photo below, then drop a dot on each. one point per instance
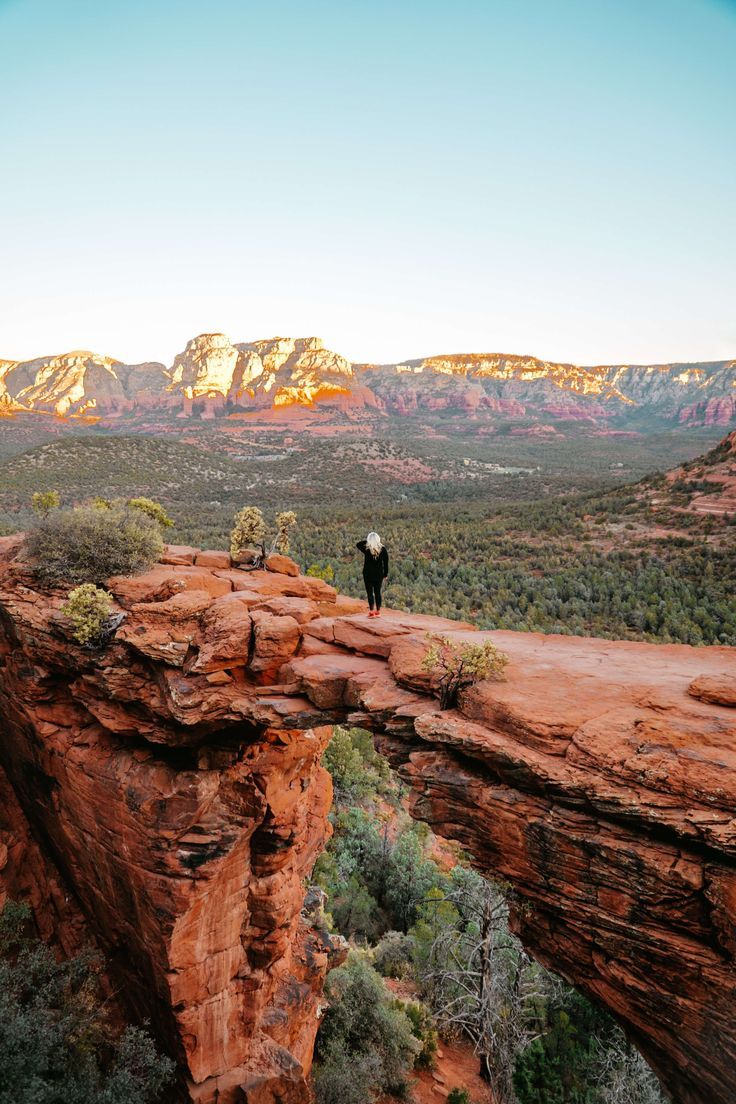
(213, 377)
(80, 383)
(172, 780)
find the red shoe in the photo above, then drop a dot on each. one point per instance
(378, 613)
(371, 613)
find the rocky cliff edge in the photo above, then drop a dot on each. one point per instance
(169, 791)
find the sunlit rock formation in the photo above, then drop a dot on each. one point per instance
(172, 782)
(80, 383)
(214, 377)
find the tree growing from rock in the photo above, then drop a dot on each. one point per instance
(248, 531)
(249, 534)
(456, 665)
(285, 523)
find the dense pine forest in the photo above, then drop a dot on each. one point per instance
(528, 569)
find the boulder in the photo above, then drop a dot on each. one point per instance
(179, 554)
(246, 556)
(268, 584)
(331, 681)
(186, 605)
(226, 635)
(281, 565)
(718, 689)
(164, 581)
(276, 639)
(210, 558)
(302, 610)
(168, 643)
(339, 605)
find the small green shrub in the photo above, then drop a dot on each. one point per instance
(86, 544)
(356, 768)
(327, 574)
(89, 610)
(152, 509)
(362, 1030)
(43, 502)
(458, 1096)
(393, 955)
(422, 1026)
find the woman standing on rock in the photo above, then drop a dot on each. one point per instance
(375, 570)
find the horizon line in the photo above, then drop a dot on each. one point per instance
(374, 364)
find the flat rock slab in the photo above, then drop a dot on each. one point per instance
(331, 681)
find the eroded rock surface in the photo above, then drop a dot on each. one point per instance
(174, 781)
(214, 377)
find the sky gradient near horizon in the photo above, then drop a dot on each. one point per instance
(551, 177)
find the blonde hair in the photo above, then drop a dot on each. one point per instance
(373, 543)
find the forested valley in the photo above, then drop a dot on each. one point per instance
(432, 965)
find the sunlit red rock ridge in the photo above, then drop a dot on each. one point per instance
(213, 377)
(167, 792)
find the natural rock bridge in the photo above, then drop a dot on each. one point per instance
(166, 796)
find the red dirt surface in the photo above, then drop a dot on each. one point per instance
(456, 1066)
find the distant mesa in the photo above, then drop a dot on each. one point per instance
(213, 378)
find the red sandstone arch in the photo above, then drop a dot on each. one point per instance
(172, 784)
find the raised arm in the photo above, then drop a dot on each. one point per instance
(361, 546)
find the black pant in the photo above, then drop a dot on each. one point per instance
(373, 590)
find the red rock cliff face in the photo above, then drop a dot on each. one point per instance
(174, 780)
(187, 863)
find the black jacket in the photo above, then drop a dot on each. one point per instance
(375, 568)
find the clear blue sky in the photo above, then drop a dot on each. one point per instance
(555, 177)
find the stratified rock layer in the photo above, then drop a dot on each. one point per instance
(213, 377)
(174, 782)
